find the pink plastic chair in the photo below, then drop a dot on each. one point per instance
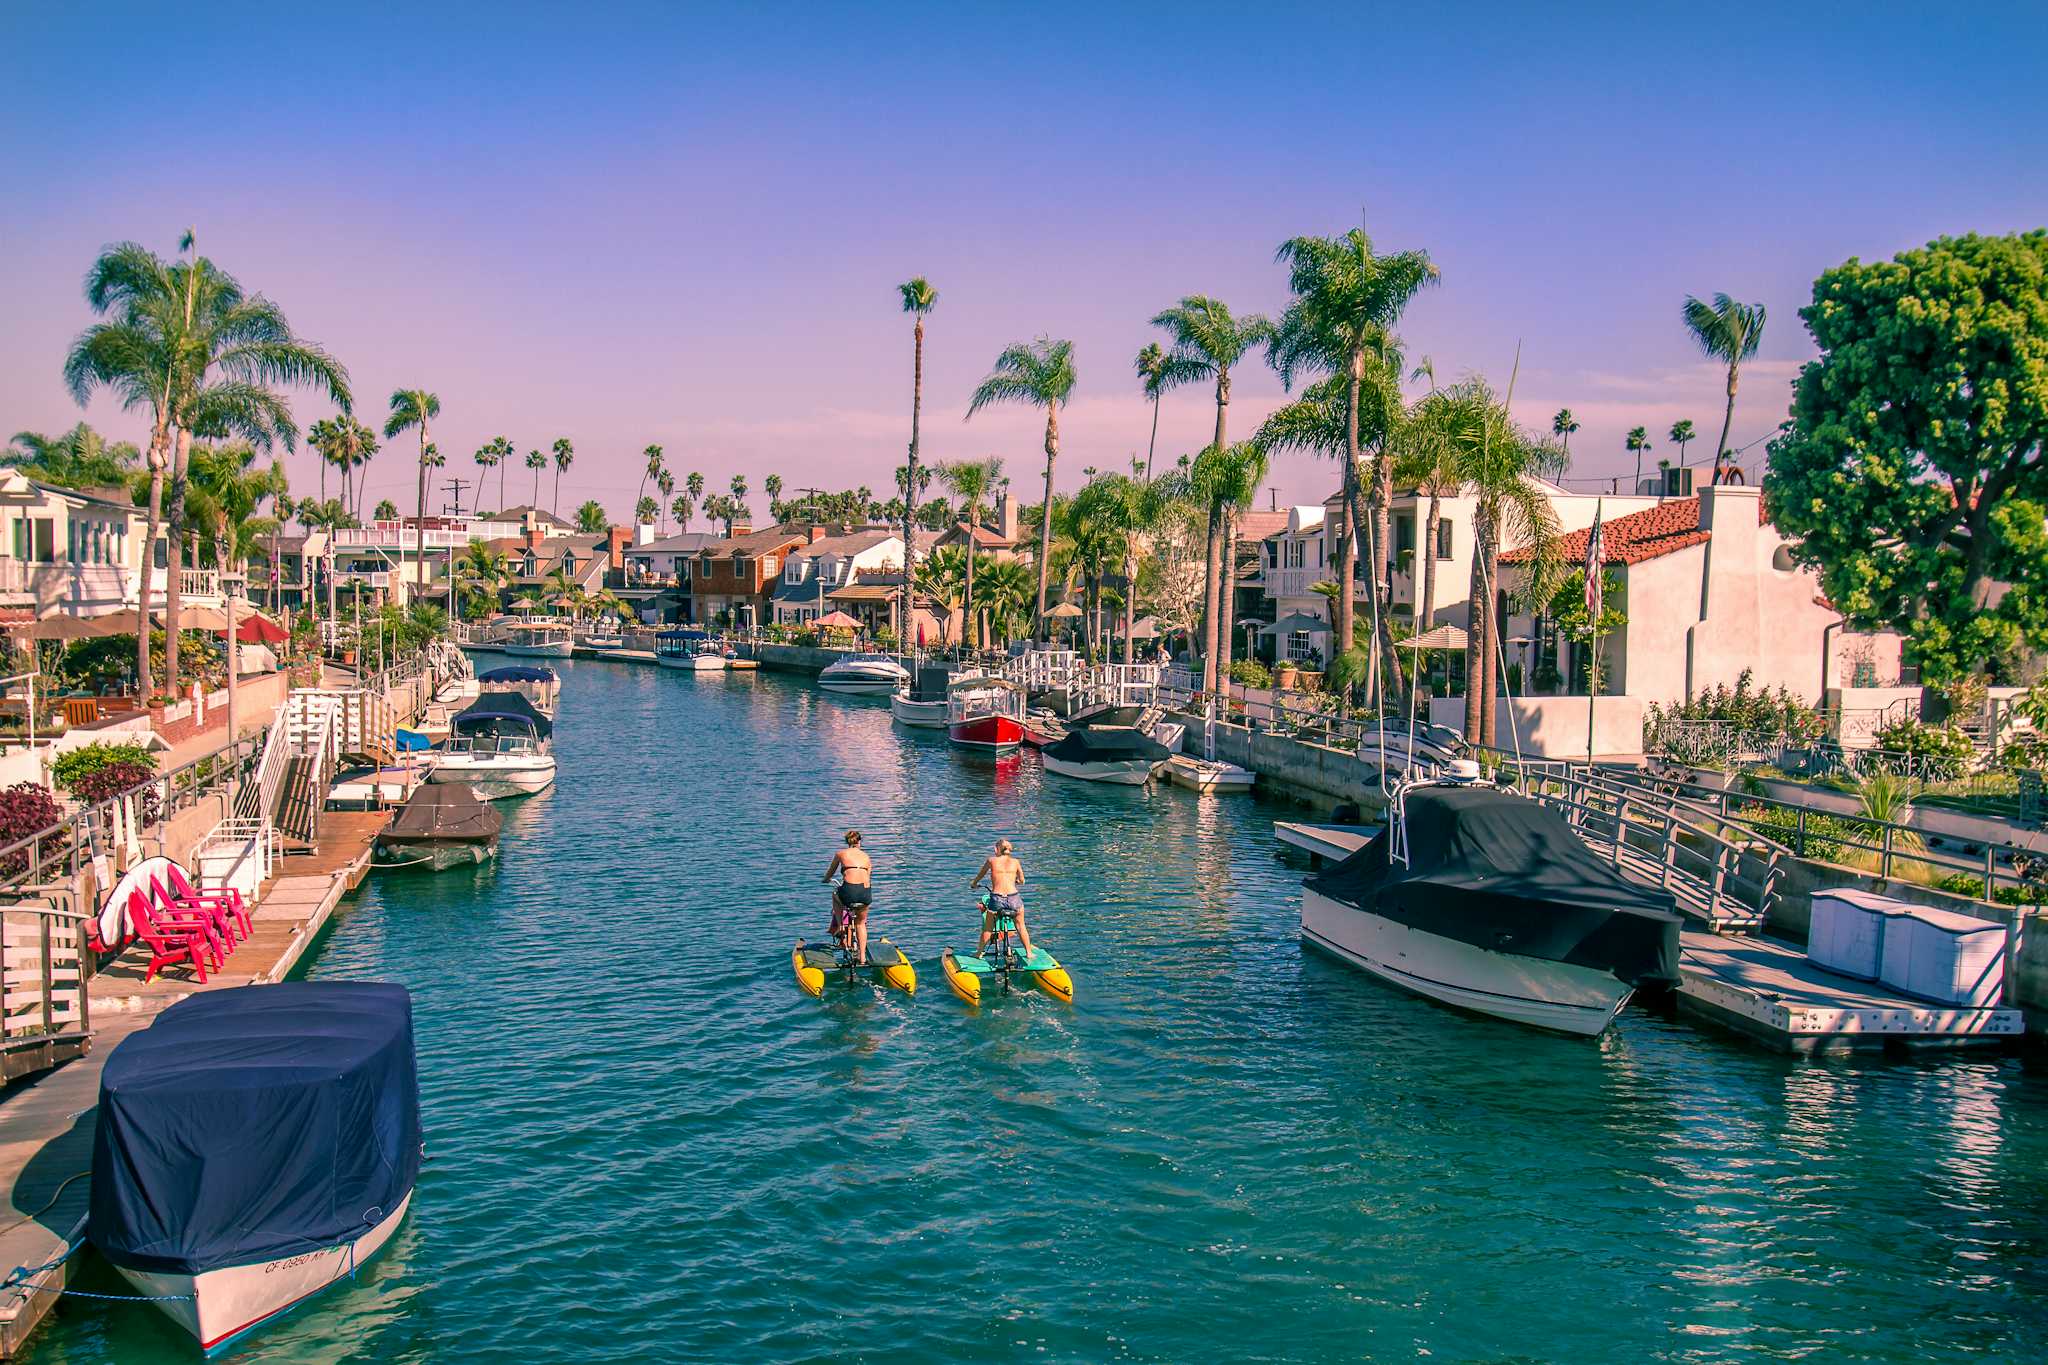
(227, 896)
(223, 908)
(172, 942)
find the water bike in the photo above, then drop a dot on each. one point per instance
(816, 964)
(970, 974)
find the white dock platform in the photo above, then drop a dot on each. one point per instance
(1334, 842)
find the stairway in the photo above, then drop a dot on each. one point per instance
(299, 805)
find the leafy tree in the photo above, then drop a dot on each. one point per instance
(1729, 332)
(1911, 471)
(1567, 610)
(681, 510)
(1682, 435)
(1037, 374)
(387, 510)
(565, 455)
(645, 510)
(1003, 590)
(537, 462)
(1562, 426)
(480, 573)
(942, 577)
(693, 485)
(591, 518)
(653, 470)
(80, 458)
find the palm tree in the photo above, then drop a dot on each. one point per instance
(654, 467)
(434, 460)
(486, 456)
(565, 455)
(772, 486)
(971, 482)
(1004, 594)
(1562, 426)
(480, 572)
(386, 510)
(941, 577)
(645, 510)
(739, 494)
(1235, 486)
(557, 588)
(666, 482)
(1347, 299)
(693, 485)
(1729, 332)
(1039, 374)
(207, 359)
(591, 519)
(1682, 433)
(1638, 442)
(502, 451)
(414, 410)
(536, 462)
(918, 299)
(1426, 458)
(680, 509)
(1153, 366)
(233, 488)
(80, 459)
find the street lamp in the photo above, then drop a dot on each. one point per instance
(231, 586)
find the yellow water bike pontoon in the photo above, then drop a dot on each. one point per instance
(818, 965)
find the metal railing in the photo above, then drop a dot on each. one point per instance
(44, 1004)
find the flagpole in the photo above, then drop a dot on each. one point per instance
(1595, 557)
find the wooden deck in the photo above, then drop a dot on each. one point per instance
(1324, 842)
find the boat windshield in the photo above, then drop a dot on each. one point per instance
(487, 745)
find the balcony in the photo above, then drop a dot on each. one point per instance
(77, 589)
(1299, 582)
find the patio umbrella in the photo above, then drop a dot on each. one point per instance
(1064, 610)
(1442, 637)
(122, 622)
(1293, 621)
(260, 630)
(202, 618)
(837, 620)
(58, 628)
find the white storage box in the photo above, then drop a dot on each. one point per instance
(1848, 929)
(1944, 956)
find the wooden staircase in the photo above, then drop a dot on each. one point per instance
(298, 804)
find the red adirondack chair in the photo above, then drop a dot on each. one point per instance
(227, 897)
(173, 942)
(214, 914)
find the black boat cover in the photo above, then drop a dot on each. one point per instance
(1097, 745)
(255, 1123)
(443, 810)
(1499, 871)
(496, 713)
(516, 673)
(930, 682)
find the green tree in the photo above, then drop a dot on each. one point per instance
(591, 518)
(387, 510)
(972, 483)
(1157, 373)
(229, 488)
(537, 462)
(681, 510)
(1003, 594)
(738, 506)
(1911, 472)
(942, 578)
(1638, 442)
(345, 443)
(1562, 426)
(772, 485)
(1682, 435)
(565, 455)
(693, 485)
(1729, 332)
(1036, 374)
(81, 458)
(918, 299)
(1566, 609)
(480, 573)
(415, 410)
(645, 510)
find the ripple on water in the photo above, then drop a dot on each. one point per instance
(646, 1145)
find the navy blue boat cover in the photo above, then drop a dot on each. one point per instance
(254, 1123)
(496, 713)
(519, 673)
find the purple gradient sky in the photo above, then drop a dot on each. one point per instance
(628, 224)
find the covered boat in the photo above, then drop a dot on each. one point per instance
(254, 1146)
(1491, 902)
(538, 683)
(1106, 754)
(443, 826)
(921, 702)
(499, 745)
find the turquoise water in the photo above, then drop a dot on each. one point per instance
(645, 1144)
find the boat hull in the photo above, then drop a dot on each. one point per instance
(1129, 773)
(434, 855)
(994, 733)
(855, 685)
(218, 1307)
(922, 715)
(560, 649)
(1558, 996)
(495, 782)
(707, 663)
(1199, 775)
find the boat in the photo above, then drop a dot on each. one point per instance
(1210, 776)
(1042, 727)
(538, 683)
(875, 674)
(693, 651)
(603, 641)
(818, 964)
(985, 712)
(1106, 753)
(254, 1146)
(444, 825)
(1488, 901)
(921, 702)
(367, 786)
(1397, 752)
(540, 641)
(499, 746)
(972, 976)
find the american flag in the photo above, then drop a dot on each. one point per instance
(1596, 553)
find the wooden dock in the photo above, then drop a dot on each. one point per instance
(1762, 987)
(46, 1127)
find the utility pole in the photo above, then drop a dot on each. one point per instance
(456, 486)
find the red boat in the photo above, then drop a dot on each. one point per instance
(985, 713)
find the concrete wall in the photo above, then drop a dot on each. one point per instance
(1308, 770)
(1555, 727)
(793, 658)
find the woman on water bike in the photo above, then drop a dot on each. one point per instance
(850, 899)
(1002, 909)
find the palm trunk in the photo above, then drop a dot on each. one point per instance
(555, 506)
(1153, 447)
(910, 480)
(1226, 598)
(157, 440)
(1347, 569)
(969, 627)
(1475, 637)
(1727, 421)
(175, 545)
(1382, 569)
(419, 528)
(1052, 454)
(1130, 604)
(1209, 604)
(1425, 609)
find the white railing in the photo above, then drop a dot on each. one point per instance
(258, 798)
(240, 853)
(1295, 582)
(198, 582)
(396, 536)
(42, 987)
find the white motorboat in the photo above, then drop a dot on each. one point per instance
(985, 713)
(602, 641)
(193, 1213)
(1407, 753)
(538, 641)
(872, 674)
(499, 746)
(921, 702)
(1488, 901)
(1106, 753)
(1208, 775)
(709, 658)
(690, 650)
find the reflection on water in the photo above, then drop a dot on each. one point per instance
(647, 1145)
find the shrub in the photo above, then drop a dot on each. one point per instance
(98, 756)
(116, 779)
(1746, 707)
(1936, 753)
(1825, 834)
(1250, 673)
(25, 809)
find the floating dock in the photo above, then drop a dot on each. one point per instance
(1764, 988)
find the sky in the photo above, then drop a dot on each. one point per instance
(631, 224)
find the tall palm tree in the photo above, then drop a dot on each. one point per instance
(537, 462)
(665, 482)
(486, 456)
(481, 571)
(1154, 366)
(1039, 374)
(1638, 442)
(1426, 458)
(772, 486)
(1682, 434)
(1347, 300)
(502, 450)
(565, 455)
(435, 460)
(738, 506)
(645, 509)
(590, 517)
(1235, 486)
(693, 485)
(343, 442)
(680, 510)
(1729, 332)
(918, 299)
(415, 410)
(190, 344)
(653, 469)
(1562, 426)
(972, 482)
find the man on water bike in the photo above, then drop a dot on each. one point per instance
(851, 897)
(1002, 909)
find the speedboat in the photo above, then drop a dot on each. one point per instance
(540, 642)
(875, 674)
(1401, 752)
(499, 746)
(255, 1146)
(1208, 775)
(603, 641)
(921, 702)
(709, 658)
(444, 825)
(986, 713)
(1488, 901)
(1106, 753)
(537, 683)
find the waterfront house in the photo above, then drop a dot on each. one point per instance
(66, 551)
(535, 558)
(812, 572)
(1292, 560)
(655, 576)
(731, 579)
(284, 569)
(387, 557)
(535, 519)
(1000, 541)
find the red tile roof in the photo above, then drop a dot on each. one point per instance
(1649, 534)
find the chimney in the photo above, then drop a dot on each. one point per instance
(643, 532)
(742, 528)
(1006, 516)
(615, 541)
(817, 533)
(534, 536)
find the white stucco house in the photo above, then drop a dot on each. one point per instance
(829, 563)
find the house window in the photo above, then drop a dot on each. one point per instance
(1298, 647)
(742, 568)
(35, 540)
(1404, 536)
(768, 564)
(794, 572)
(1443, 539)
(682, 570)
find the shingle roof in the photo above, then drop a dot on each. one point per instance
(1649, 534)
(540, 514)
(852, 543)
(1259, 525)
(684, 542)
(753, 542)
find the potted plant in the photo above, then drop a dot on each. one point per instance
(1286, 674)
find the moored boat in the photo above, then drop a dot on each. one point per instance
(691, 650)
(254, 1146)
(1111, 753)
(444, 825)
(921, 702)
(985, 712)
(1488, 901)
(540, 641)
(499, 746)
(872, 674)
(1208, 775)
(538, 683)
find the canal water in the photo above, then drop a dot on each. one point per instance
(645, 1144)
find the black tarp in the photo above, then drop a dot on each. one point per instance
(518, 673)
(1499, 871)
(443, 810)
(254, 1123)
(501, 713)
(930, 683)
(1107, 746)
